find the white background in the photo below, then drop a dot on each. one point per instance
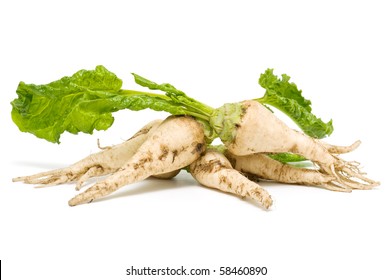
(338, 52)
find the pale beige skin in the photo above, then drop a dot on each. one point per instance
(167, 175)
(214, 170)
(162, 149)
(107, 161)
(175, 144)
(263, 167)
(260, 131)
(332, 149)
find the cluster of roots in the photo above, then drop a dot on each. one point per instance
(346, 175)
(213, 168)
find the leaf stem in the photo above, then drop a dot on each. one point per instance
(135, 92)
(203, 112)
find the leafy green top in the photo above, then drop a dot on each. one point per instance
(286, 97)
(85, 101)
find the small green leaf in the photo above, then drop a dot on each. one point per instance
(193, 107)
(284, 88)
(287, 157)
(286, 97)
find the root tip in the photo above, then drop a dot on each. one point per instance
(17, 179)
(71, 203)
(376, 184)
(267, 203)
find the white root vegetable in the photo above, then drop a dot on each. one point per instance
(340, 149)
(215, 171)
(167, 175)
(260, 131)
(176, 143)
(262, 166)
(107, 161)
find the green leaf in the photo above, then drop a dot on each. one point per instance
(284, 88)
(165, 87)
(83, 102)
(286, 97)
(287, 157)
(179, 99)
(194, 107)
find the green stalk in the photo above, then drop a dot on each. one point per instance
(136, 92)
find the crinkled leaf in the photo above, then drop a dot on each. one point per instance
(286, 97)
(309, 123)
(83, 102)
(284, 88)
